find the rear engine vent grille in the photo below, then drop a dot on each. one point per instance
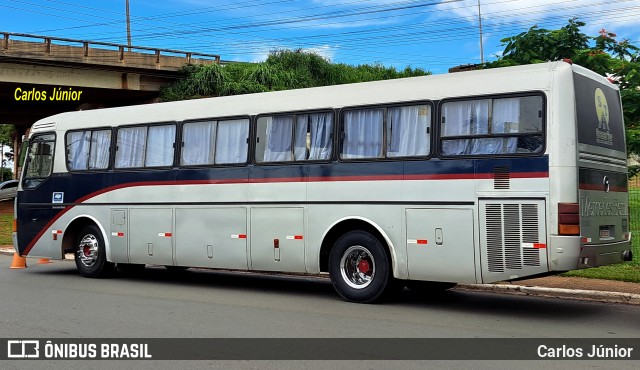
(512, 231)
(501, 177)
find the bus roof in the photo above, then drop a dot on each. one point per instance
(535, 77)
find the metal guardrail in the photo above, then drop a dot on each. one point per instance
(86, 45)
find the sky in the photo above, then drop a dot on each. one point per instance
(434, 35)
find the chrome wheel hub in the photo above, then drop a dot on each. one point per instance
(88, 250)
(357, 267)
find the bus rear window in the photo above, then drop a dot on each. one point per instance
(39, 162)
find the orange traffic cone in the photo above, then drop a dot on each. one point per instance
(43, 261)
(18, 261)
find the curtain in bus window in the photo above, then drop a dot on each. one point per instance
(78, 149)
(160, 144)
(278, 147)
(504, 120)
(100, 144)
(506, 116)
(131, 144)
(198, 139)
(321, 126)
(231, 141)
(302, 138)
(407, 131)
(362, 134)
(464, 118)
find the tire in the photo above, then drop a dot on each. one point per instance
(90, 254)
(360, 268)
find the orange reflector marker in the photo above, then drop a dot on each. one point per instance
(15, 225)
(569, 219)
(18, 261)
(569, 229)
(43, 261)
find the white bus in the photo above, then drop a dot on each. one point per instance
(472, 177)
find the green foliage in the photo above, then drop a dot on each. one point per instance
(283, 70)
(603, 54)
(6, 174)
(7, 132)
(538, 44)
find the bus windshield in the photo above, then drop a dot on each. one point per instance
(39, 160)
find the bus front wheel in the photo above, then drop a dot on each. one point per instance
(359, 267)
(90, 255)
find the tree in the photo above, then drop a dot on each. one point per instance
(604, 54)
(7, 134)
(283, 70)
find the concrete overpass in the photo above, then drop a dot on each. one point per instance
(107, 74)
(41, 76)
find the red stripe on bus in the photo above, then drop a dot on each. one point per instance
(600, 187)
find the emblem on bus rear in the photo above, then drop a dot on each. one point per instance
(605, 182)
(603, 134)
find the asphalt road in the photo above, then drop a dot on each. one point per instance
(52, 301)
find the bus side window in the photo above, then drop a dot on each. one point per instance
(502, 126)
(313, 138)
(297, 137)
(232, 141)
(363, 134)
(160, 146)
(278, 134)
(88, 149)
(408, 131)
(215, 142)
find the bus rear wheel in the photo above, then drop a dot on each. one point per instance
(359, 267)
(90, 254)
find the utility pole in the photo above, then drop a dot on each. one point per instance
(129, 26)
(480, 22)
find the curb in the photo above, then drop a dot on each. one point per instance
(579, 294)
(7, 251)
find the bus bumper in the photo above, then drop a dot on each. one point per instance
(605, 254)
(568, 253)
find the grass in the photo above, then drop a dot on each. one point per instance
(6, 225)
(622, 272)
